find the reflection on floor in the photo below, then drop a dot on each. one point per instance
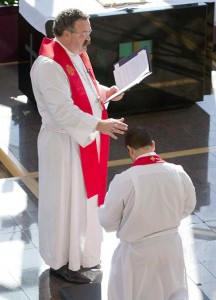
(185, 136)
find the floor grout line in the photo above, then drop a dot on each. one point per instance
(29, 178)
(12, 164)
(188, 152)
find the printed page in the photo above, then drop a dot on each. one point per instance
(130, 70)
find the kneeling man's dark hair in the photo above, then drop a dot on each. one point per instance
(137, 137)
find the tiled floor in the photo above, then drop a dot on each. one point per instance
(186, 136)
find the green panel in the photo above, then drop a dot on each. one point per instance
(125, 49)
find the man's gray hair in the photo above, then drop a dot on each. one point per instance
(66, 19)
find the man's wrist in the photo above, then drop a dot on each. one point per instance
(98, 125)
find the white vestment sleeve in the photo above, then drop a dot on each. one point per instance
(55, 90)
(110, 214)
(190, 195)
(103, 90)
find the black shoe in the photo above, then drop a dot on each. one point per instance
(97, 267)
(70, 276)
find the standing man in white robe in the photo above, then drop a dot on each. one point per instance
(72, 148)
(145, 205)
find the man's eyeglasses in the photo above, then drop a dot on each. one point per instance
(84, 34)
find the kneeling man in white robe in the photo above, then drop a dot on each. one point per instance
(145, 205)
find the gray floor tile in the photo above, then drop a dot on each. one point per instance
(210, 290)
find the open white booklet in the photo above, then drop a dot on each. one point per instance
(130, 71)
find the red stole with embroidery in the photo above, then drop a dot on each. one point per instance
(147, 160)
(94, 170)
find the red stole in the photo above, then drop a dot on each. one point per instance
(94, 170)
(147, 160)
